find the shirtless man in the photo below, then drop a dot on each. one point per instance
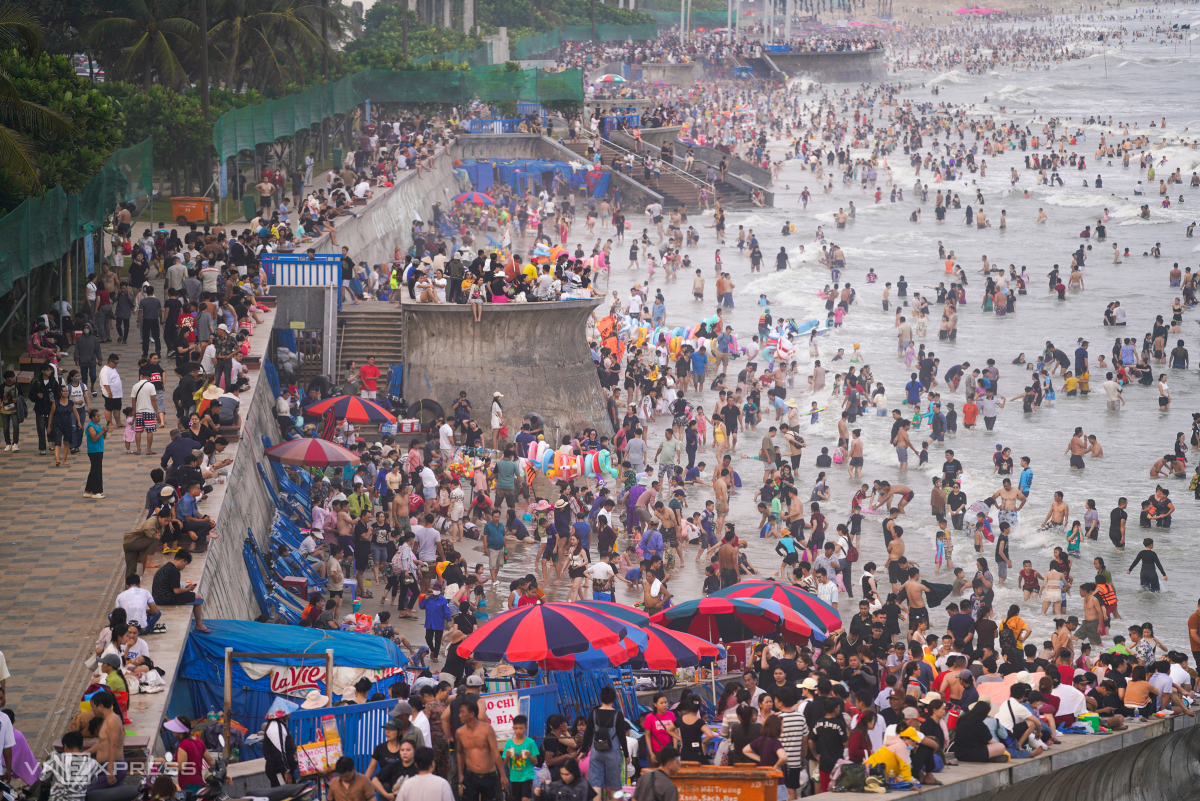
(1052, 590)
(398, 511)
(892, 490)
(915, 589)
(1094, 447)
(1056, 518)
(721, 491)
(843, 430)
(480, 773)
(671, 527)
(654, 592)
(727, 561)
(109, 748)
(895, 550)
(1093, 614)
(855, 463)
(903, 444)
(1167, 467)
(1010, 500)
(345, 523)
(1077, 447)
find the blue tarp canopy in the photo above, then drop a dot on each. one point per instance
(350, 649)
(201, 678)
(511, 170)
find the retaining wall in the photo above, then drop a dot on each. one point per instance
(386, 222)
(856, 66)
(535, 354)
(246, 506)
(674, 74)
(1157, 761)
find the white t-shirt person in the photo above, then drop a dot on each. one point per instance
(135, 601)
(144, 397)
(109, 377)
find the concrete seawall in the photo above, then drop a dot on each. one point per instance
(855, 66)
(1156, 761)
(674, 74)
(535, 354)
(386, 224)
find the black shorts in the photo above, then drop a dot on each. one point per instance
(896, 573)
(856, 461)
(1077, 461)
(112, 404)
(362, 555)
(791, 778)
(728, 577)
(336, 593)
(671, 537)
(915, 616)
(522, 790)
(791, 559)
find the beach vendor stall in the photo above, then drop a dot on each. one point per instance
(241, 668)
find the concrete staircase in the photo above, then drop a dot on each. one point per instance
(372, 328)
(676, 190)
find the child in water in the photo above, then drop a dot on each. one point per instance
(945, 550)
(1074, 538)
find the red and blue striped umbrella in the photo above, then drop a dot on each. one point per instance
(720, 619)
(353, 408)
(623, 613)
(478, 198)
(671, 650)
(537, 633)
(821, 615)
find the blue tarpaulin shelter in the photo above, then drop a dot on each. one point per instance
(202, 669)
(517, 172)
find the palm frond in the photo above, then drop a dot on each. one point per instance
(20, 28)
(16, 156)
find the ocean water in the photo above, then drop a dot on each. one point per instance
(1146, 82)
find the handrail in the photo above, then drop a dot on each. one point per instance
(687, 176)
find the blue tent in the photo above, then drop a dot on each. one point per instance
(201, 677)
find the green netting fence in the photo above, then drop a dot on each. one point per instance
(245, 128)
(700, 19)
(42, 229)
(542, 43)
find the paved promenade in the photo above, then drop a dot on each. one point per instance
(62, 560)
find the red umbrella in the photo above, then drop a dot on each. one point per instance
(537, 633)
(819, 614)
(354, 409)
(720, 619)
(671, 650)
(306, 452)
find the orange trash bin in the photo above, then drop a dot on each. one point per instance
(734, 783)
(191, 209)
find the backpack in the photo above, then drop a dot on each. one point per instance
(852, 778)
(601, 740)
(1008, 640)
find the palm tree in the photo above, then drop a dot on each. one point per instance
(20, 30)
(262, 40)
(154, 39)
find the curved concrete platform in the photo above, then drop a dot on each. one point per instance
(1156, 761)
(854, 66)
(535, 354)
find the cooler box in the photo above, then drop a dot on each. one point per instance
(410, 426)
(735, 656)
(296, 585)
